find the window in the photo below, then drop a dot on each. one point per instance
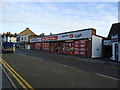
(22, 38)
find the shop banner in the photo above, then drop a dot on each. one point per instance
(67, 36)
(35, 39)
(115, 38)
(51, 38)
(107, 42)
(76, 35)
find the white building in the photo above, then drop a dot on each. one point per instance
(22, 41)
(114, 37)
(116, 47)
(7, 38)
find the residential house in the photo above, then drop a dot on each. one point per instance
(23, 38)
(113, 41)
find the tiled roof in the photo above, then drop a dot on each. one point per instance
(27, 31)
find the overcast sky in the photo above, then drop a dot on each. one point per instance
(58, 17)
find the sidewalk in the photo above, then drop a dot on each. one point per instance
(94, 61)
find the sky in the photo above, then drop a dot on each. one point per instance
(58, 17)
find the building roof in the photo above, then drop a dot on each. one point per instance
(115, 29)
(27, 31)
(76, 31)
(9, 34)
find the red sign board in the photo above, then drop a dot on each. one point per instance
(49, 38)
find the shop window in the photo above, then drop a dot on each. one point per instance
(68, 48)
(80, 47)
(45, 46)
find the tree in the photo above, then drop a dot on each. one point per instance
(50, 33)
(42, 34)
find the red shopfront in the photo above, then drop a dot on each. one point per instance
(76, 47)
(42, 46)
(74, 43)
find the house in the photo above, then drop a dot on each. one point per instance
(8, 37)
(113, 41)
(23, 38)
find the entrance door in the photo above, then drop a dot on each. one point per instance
(53, 47)
(116, 52)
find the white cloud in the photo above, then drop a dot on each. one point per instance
(51, 7)
(68, 11)
(47, 18)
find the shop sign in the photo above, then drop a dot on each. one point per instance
(52, 38)
(35, 40)
(67, 36)
(76, 35)
(115, 38)
(63, 36)
(107, 42)
(71, 35)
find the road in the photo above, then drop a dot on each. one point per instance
(46, 70)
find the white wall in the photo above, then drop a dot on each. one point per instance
(96, 46)
(11, 39)
(23, 38)
(4, 39)
(113, 50)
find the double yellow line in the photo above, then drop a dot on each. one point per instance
(20, 80)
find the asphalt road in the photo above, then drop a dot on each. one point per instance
(45, 70)
(73, 61)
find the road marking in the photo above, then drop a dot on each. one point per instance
(11, 81)
(29, 86)
(16, 75)
(107, 76)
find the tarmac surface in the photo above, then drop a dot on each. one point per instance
(108, 68)
(46, 70)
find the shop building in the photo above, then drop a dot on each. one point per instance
(114, 43)
(81, 42)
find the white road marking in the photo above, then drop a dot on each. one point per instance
(107, 76)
